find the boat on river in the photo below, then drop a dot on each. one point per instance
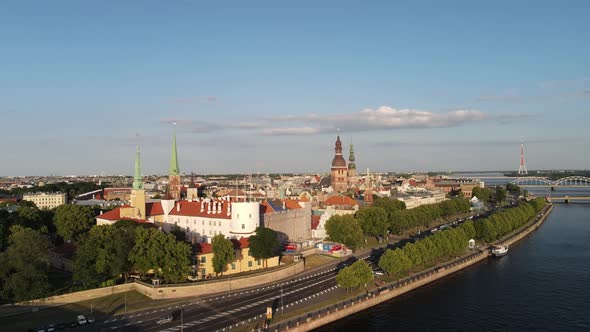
(499, 251)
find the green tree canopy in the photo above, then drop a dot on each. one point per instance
(24, 265)
(346, 230)
(395, 262)
(356, 275)
(483, 194)
(373, 220)
(73, 221)
(264, 244)
(223, 253)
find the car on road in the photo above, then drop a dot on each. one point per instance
(90, 319)
(81, 320)
(51, 328)
(165, 319)
(41, 329)
(74, 324)
(378, 273)
(61, 326)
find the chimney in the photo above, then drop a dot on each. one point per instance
(208, 208)
(228, 209)
(178, 207)
(101, 212)
(202, 206)
(284, 205)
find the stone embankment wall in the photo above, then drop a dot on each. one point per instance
(341, 310)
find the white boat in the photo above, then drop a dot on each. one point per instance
(499, 251)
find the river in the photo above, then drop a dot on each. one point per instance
(543, 284)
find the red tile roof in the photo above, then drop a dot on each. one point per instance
(292, 204)
(340, 200)
(154, 209)
(114, 214)
(315, 221)
(193, 209)
(203, 248)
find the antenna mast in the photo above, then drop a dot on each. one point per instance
(522, 168)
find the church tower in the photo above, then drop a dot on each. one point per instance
(137, 199)
(339, 171)
(174, 173)
(351, 167)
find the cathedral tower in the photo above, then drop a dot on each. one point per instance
(351, 167)
(137, 199)
(339, 171)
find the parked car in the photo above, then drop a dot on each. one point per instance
(41, 329)
(51, 328)
(90, 319)
(81, 320)
(61, 326)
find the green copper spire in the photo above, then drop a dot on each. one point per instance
(174, 158)
(351, 164)
(137, 180)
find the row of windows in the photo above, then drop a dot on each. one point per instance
(233, 265)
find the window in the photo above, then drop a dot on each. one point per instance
(203, 222)
(243, 226)
(249, 263)
(233, 266)
(209, 222)
(203, 272)
(250, 216)
(203, 259)
(238, 216)
(258, 262)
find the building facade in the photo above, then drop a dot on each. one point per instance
(290, 218)
(46, 200)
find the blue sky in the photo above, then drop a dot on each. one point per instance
(264, 86)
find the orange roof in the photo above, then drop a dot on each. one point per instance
(114, 214)
(203, 248)
(292, 204)
(340, 200)
(193, 209)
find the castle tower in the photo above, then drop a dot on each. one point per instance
(137, 198)
(339, 171)
(351, 167)
(174, 173)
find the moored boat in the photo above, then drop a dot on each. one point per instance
(499, 251)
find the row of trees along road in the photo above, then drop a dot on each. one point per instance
(451, 242)
(388, 215)
(263, 245)
(354, 276)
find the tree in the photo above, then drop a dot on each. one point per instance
(395, 262)
(483, 194)
(344, 229)
(178, 233)
(356, 275)
(73, 221)
(488, 231)
(223, 253)
(159, 252)
(373, 221)
(513, 188)
(24, 265)
(264, 244)
(500, 195)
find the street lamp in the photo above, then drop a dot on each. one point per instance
(181, 319)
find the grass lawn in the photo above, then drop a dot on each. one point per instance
(107, 305)
(314, 261)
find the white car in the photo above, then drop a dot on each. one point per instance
(81, 320)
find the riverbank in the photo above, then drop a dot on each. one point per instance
(329, 314)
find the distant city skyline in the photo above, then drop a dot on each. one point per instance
(266, 87)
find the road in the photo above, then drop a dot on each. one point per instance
(222, 311)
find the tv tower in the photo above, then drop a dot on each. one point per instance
(522, 168)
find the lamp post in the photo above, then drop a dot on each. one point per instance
(181, 319)
(282, 306)
(125, 301)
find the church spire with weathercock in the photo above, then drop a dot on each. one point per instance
(351, 164)
(137, 180)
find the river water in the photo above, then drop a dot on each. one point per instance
(543, 284)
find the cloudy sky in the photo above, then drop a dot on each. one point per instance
(265, 87)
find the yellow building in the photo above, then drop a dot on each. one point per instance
(46, 200)
(243, 263)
